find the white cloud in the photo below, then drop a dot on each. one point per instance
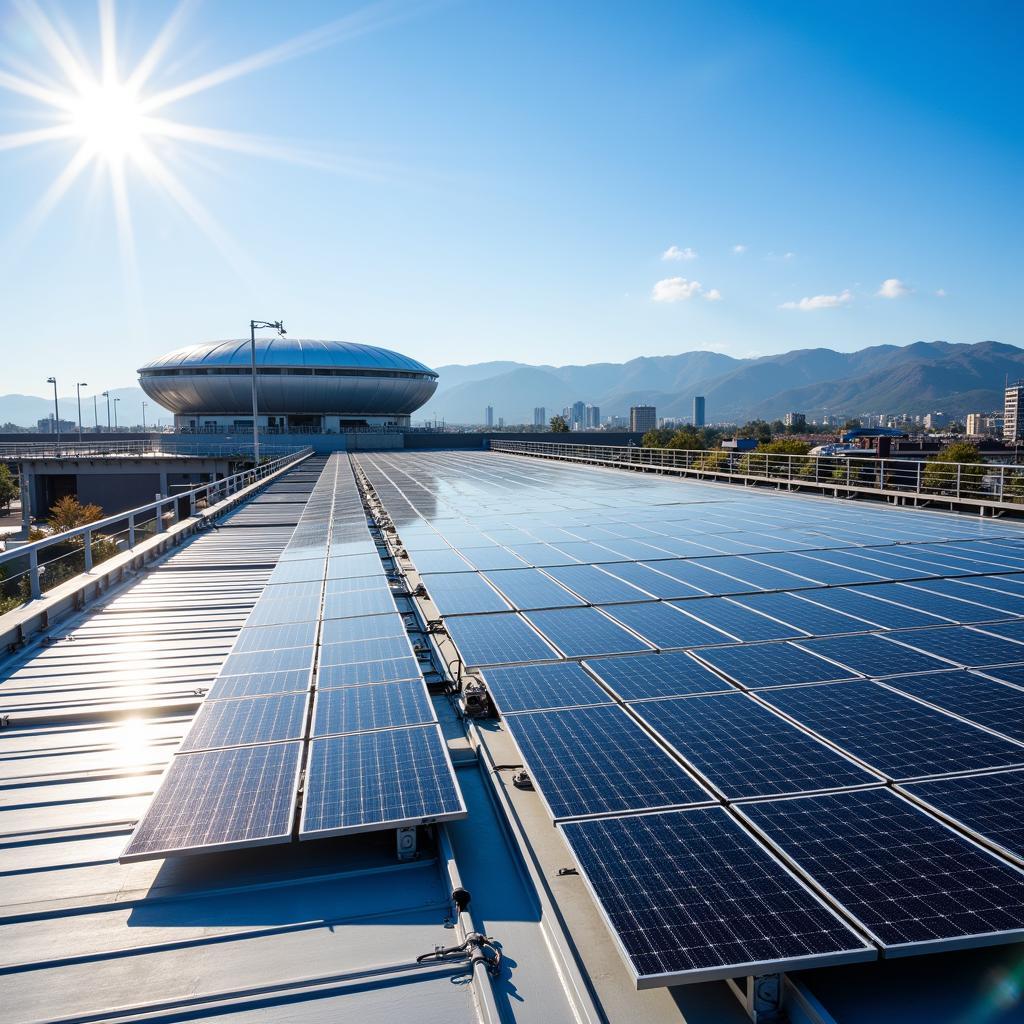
(941, 293)
(713, 295)
(809, 303)
(673, 252)
(739, 249)
(893, 288)
(675, 289)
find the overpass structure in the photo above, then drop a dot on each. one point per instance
(661, 703)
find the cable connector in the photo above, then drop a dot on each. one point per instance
(477, 948)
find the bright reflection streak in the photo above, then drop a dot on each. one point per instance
(131, 741)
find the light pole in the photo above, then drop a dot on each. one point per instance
(78, 388)
(106, 395)
(116, 400)
(143, 417)
(278, 326)
(56, 410)
(95, 415)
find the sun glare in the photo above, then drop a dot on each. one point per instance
(109, 120)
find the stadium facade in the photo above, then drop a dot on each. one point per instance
(302, 385)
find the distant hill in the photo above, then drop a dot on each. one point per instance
(919, 378)
(27, 410)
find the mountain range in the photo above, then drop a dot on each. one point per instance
(935, 376)
(27, 410)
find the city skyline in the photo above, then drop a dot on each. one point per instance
(413, 210)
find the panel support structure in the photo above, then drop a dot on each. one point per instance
(761, 996)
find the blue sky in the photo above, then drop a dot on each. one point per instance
(502, 181)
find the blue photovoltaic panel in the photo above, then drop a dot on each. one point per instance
(243, 796)
(381, 670)
(908, 878)
(374, 706)
(1013, 630)
(991, 806)
(913, 596)
(236, 723)
(589, 552)
(268, 661)
(1008, 673)
(364, 627)
(666, 626)
(497, 640)
(896, 736)
(692, 896)
(802, 614)
(702, 580)
(648, 579)
(541, 554)
(999, 605)
(539, 687)
(350, 584)
(274, 638)
(633, 549)
(964, 646)
(377, 649)
(492, 557)
(463, 593)
(596, 586)
(643, 676)
(374, 780)
(1013, 585)
(305, 571)
(758, 575)
(580, 632)
(530, 588)
(378, 601)
(995, 705)
(271, 611)
(814, 569)
(773, 664)
(439, 561)
(598, 760)
(872, 654)
(745, 750)
(260, 684)
(736, 620)
(868, 604)
(352, 566)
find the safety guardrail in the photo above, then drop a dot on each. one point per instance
(171, 445)
(100, 539)
(976, 484)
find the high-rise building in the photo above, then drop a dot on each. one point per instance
(578, 416)
(976, 424)
(489, 416)
(593, 416)
(539, 416)
(1013, 427)
(642, 418)
(698, 410)
(796, 420)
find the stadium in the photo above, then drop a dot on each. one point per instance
(302, 386)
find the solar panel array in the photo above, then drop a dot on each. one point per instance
(775, 730)
(321, 698)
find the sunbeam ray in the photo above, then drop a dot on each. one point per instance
(16, 140)
(54, 44)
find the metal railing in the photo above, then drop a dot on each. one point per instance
(99, 538)
(978, 484)
(169, 445)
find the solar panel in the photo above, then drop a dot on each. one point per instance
(530, 588)
(871, 654)
(796, 611)
(236, 723)
(377, 649)
(701, 580)
(666, 626)
(773, 664)
(541, 554)
(497, 640)
(652, 582)
(380, 670)
(690, 896)
(914, 596)
(378, 601)
(1013, 630)
(1008, 673)
(745, 750)
(596, 586)
(815, 569)
(896, 736)
(597, 760)
(351, 584)
(260, 684)
(758, 574)
(581, 632)
(737, 620)
(270, 611)
(491, 557)
(963, 646)
(373, 780)
(868, 604)
(268, 661)
(305, 571)
(911, 881)
(220, 799)
(539, 687)
(461, 593)
(274, 638)
(351, 566)
(373, 706)
(364, 627)
(643, 676)
(990, 806)
(1000, 605)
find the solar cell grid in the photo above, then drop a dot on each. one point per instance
(738, 620)
(872, 654)
(870, 605)
(771, 664)
(364, 627)
(691, 896)
(540, 687)
(529, 589)
(271, 638)
(803, 615)
(583, 632)
(914, 595)
(257, 684)
(497, 640)
(666, 626)
(268, 661)
(813, 569)
(643, 676)
(236, 723)
(909, 879)
(373, 706)
(378, 601)
(962, 645)
(378, 649)
(651, 581)
(999, 605)
(596, 586)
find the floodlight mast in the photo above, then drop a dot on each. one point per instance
(276, 325)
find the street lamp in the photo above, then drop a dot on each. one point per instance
(106, 395)
(116, 400)
(278, 326)
(143, 417)
(56, 410)
(95, 415)
(78, 388)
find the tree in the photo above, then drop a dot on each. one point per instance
(656, 438)
(775, 458)
(8, 487)
(69, 512)
(756, 428)
(852, 424)
(558, 425)
(686, 439)
(958, 468)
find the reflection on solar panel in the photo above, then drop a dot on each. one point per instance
(868, 603)
(803, 614)
(374, 706)
(273, 638)
(992, 704)
(235, 723)
(745, 750)
(760, 665)
(808, 567)
(368, 780)
(648, 579)
(359, 602)
(497, 640)
(894, 735)
(998, 605)
(914, 596)
(380, 670)
(530, 588)
(221, 799)
(580, 632)
(596, 586)
(459, 593)
(872, 655)
(990, 806)
(492, 557)
(963, 646)
(736, 620)
(366, 627)
(912, 882)
(644, 676)
(597, 760)
(378, 649)
(268, 661)
(691, 896)
(539, 687)
(259, 684)
(1010, 630)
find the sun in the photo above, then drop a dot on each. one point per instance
(109, 120)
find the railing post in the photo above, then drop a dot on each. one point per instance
(33, 569)
(131, 530)
(918, 487)
(959, 467)
(87, 537)
(159, 517)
